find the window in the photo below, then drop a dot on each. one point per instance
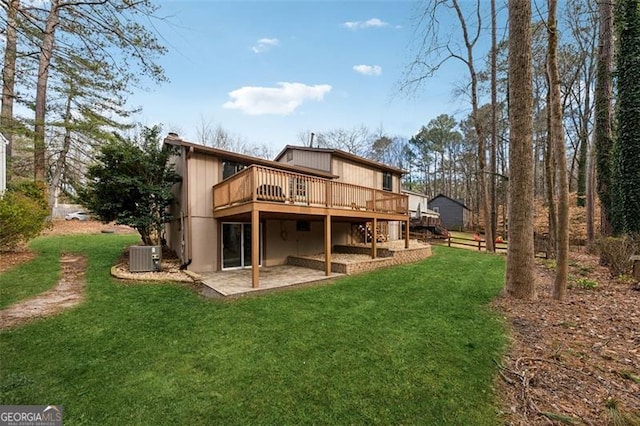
(298, 187)
(387, 181)
(303, 226)
(289, 155)
(436, 209)
(230, 168)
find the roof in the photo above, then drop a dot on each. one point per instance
(408, 191)
(343, 154)
(449, 198)
(173, 139)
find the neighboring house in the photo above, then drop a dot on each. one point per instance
(453, 213)
(418, 209)
(236, 211)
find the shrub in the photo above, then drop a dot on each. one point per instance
(586, 284)
(615, 252)
(130, 183)
(23, 214)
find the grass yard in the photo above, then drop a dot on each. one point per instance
(412, 344)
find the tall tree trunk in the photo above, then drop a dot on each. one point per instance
(590, 199)
(550, 171)
(584, 145)
(557, 139)
(61, 162)
(46, 50)
(494, 118)
(9, 76)
(603, 113)
(477, 123)
(520, 281)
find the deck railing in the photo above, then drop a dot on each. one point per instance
(259, 183)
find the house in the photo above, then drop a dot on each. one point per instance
(453, 213)
(418, 209)
(236, 211)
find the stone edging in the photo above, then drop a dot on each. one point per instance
(188, 276)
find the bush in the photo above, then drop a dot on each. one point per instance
(615, 252)
(130, 183)
(23, 214)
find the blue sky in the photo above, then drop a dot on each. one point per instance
(268, 70)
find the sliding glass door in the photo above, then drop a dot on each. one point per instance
(236, 245)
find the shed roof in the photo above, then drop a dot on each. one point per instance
(449, 198)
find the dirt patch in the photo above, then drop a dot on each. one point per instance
(65, 227)
(577, 361)
(67, 293)
(9, 259)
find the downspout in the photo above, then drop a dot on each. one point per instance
(185, 178)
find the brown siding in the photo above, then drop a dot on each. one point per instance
(205, 245)
(283, 240)
(397, 185)
(314, 160)
(203, 174)
(310, 159)
(355, 174)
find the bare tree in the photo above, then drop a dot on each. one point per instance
(494, 120)
(556, 135)
(306, 137)
(354, 141)
(442, 51)
(520, 281)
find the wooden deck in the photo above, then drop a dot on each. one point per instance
(292, 192)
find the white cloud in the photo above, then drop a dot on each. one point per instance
(368, 69)
(280, 100)
(370, 23)
(265, 44)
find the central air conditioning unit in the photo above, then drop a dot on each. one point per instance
(145, 258)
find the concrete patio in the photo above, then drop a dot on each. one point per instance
(347, 260)
(237, 282)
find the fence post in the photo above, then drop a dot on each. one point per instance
(449, 240)
(479, 245)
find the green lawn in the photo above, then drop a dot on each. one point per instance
(413, 344)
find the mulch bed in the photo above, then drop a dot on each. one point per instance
(576, 361)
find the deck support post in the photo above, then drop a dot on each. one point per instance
(406, 234)
(255, 248)
(374, 238)
(327, 245)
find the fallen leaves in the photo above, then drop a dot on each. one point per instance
(570, 359)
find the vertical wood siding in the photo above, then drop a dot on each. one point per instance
(203, 174)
